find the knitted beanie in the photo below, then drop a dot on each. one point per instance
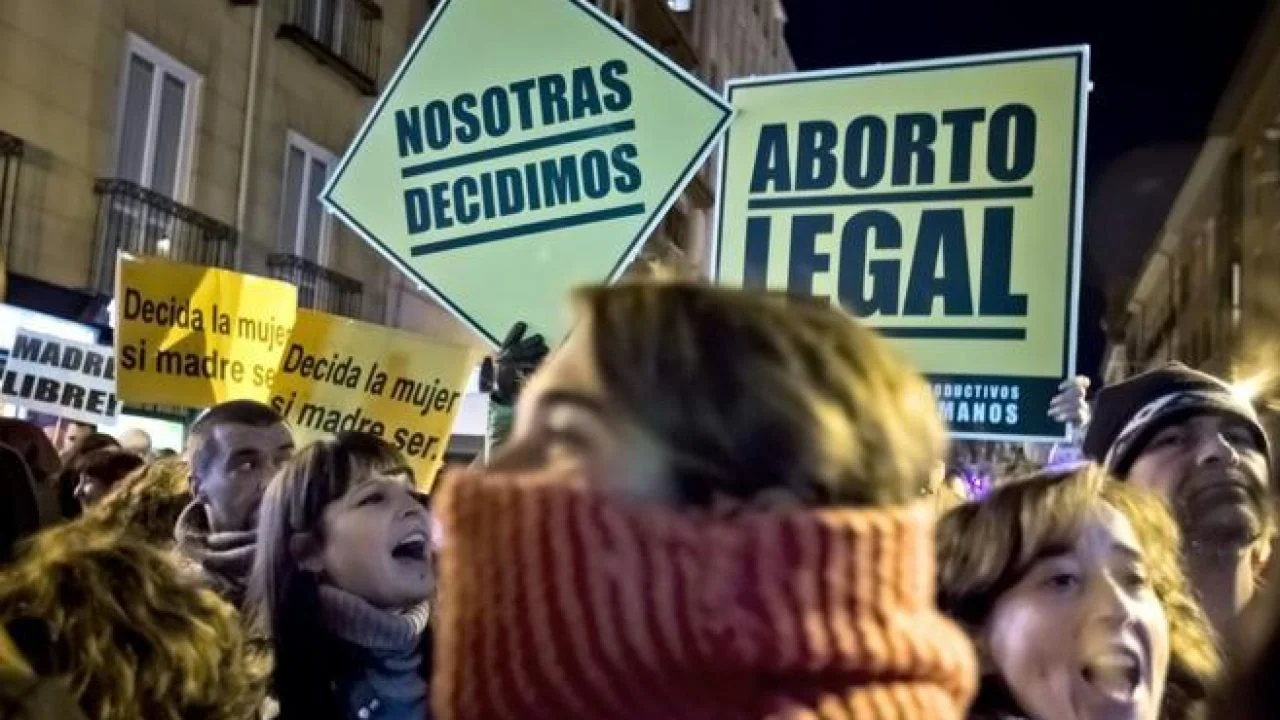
(1127, 415)
(557, 602)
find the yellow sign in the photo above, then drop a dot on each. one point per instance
(344, 375)
(196, 336)
(938, 200)
(501, 178)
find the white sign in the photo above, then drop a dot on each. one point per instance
(72, 380)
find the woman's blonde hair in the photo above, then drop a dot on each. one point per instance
(110, 614)
(147, 502)
(984, 549)
(751, 391)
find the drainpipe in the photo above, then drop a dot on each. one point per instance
(246, 146)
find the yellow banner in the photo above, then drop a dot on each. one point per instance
(196, 336)
(344, 375)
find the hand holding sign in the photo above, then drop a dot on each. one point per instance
(1070, 404)
(504, 375)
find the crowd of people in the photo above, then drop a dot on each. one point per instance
(710, 503)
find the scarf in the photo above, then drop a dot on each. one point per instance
(389, 643)
(557, 602)
(225, 559)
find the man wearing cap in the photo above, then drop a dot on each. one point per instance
(1187, 436)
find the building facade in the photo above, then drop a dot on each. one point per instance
(1208, 293)
(203, 131)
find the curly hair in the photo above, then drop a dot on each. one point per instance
(147, 502)
(985, 549)
(800, 396)
(110, 614)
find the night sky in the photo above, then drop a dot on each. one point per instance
(1159, 69)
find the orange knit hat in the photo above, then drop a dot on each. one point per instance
(557, 602)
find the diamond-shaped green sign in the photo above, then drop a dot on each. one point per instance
(523, 147)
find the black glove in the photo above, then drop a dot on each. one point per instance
(503, 375)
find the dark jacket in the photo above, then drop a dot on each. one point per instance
(26, 696)
(19, 507)
(372, 664)
(363, 697)
(42, 463)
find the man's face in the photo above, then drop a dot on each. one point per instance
(1214, 476)
(243, 459)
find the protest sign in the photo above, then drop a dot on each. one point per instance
(344, 375)
(938, 200)
(71, 380)
(537, 165)
(196, 336)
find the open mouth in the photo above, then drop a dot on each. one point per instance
(412, 547)
(1114, 674)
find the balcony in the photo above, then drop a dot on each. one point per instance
(319, 288)
(139, 221)
(343, 34)
(666, 30)
(11, 152)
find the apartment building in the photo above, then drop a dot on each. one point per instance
(716, 40)
(191, 129)
(1207, 293)
(203, 131)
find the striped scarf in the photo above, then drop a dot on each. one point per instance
(223, 560)
(556, 602)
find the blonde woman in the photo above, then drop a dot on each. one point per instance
(108, 614)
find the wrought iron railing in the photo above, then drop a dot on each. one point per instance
(346, 34)
(139, 221)
(319, 288)
(11, 151)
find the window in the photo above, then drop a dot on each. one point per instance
(326, 22)
(1236, 294)
(304, 225)
(1184, 279)
(1233, 203)
(156, 120)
